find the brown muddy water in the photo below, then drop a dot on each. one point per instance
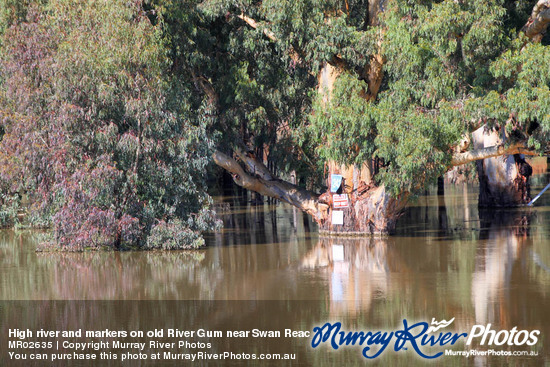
(268, 269)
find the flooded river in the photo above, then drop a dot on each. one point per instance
(269, 269)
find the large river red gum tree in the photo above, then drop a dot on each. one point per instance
(438, 87)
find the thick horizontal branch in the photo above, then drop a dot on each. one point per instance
(489, 152)
(538, 21)
(253, 165)
(281, 190)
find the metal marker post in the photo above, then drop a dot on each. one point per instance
(538, 196)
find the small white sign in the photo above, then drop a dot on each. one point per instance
(337, 217)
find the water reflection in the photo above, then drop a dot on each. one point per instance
(357, 271)
(506, 248)
(365, 276)
(447, 260)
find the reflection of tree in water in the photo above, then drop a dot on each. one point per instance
(383, 280)
(14, 254)
(115, 275)
(505, 241)
(504, 291)
(257, 224)
(501, 282)
(357, 270)
(489, 280)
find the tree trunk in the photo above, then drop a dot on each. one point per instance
(503, 180)
(371, 210)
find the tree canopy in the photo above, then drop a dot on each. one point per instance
(111, 111)
(98, 132)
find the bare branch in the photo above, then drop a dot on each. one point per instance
(253, 165)
(281, 190)
(489, 152)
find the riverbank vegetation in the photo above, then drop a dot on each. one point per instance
(98, 134)
(113, 114)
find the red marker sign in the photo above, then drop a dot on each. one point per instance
(340, 201)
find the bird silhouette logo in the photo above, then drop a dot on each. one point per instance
(439, 325)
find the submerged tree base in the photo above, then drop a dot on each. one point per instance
(371, 211)
(344, 235)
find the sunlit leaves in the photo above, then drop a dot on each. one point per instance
(449, 67)
(344, 123)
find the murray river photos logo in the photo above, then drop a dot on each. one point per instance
(418, 337)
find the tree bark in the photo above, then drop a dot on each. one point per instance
(278, 189)
(538, 21)
(503, 178)
(373, 211)
(496, 150)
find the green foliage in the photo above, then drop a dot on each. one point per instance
(345, 124)
(14, 11)
(262, 87)
(110, 111)
(9, 208)
(174, 235)
(449, 65)
(96, 131)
